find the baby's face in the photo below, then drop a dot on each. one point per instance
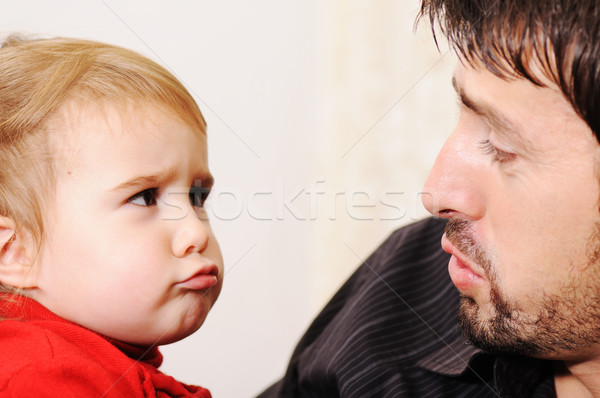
(128, 250)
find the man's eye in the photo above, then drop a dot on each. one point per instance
(198, 196)
(146, 198)
(498, 155)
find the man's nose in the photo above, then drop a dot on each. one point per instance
(455, 186)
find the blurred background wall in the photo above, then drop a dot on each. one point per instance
(324, 118)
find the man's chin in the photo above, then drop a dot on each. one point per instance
(477, 328)
(496, 333)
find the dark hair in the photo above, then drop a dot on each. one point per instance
(509, 37)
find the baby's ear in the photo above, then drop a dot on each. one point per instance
(15, 256)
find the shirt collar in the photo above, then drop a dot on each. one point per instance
(451, 359)
(513, 375)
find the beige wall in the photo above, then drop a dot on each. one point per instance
(382, 117)
(339, 97)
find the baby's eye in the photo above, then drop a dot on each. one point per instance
(198, 196)
(146, 198)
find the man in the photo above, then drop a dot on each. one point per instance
(519, 182)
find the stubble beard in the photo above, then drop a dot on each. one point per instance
(562, 322)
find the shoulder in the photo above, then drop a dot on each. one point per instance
(397, 308)
(400, 273)
(408, 271)
(65, 359)
(46, 340)
(415, 243)
(23, 343)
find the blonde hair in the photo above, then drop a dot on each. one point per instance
(37, 77)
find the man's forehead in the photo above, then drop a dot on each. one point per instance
(515, 105)
(468, 70)
(486, 86)
(474, 95)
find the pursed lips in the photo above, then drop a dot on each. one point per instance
(449, 248)
(206, 277)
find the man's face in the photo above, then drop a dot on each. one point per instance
(518, 179)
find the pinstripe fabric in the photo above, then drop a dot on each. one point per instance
(391, 331)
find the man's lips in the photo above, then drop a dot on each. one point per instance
(461, 270)
(205, 278)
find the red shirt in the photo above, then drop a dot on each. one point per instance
(43, 355)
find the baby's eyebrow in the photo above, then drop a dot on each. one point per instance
(136, 182)
(146, 180)
(206, 180)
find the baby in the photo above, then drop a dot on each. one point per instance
(106, 250)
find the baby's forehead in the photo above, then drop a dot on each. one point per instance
(78, 117)
(80, 127)
(116, 114)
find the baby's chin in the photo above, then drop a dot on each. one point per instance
(181, 335)
(166, 333)
(176, 321)
(193, 320)
(158, 338)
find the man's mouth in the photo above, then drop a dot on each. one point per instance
(464, 274)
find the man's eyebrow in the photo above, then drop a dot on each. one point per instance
(495, 118)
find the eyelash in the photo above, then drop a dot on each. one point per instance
(498, 155)
(197, 196)
(149, 201)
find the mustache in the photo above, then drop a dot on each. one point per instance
(460, 234)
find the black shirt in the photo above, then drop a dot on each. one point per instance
(391, 331)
